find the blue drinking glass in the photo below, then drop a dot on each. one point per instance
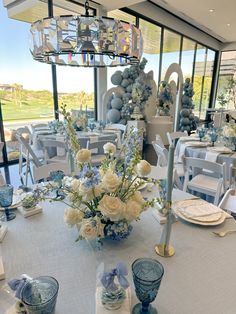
(147, 276)
(6, 196)
(57, 176)
(201, 133)
(213, 136)
(39, 295)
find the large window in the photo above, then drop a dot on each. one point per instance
(171, 52)
(187, 58)
(25, 85)
(226, 92)
(151, 46)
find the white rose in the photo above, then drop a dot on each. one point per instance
(143, 168)
(83, 155)
(73, 216)
(111, 181)
(109, 148)
(88, 194)
(90, 229)
(228, 131)
(133, 210)
(75, 184)
(112, 207)
(137, 197)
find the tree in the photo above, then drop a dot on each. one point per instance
(18, 93)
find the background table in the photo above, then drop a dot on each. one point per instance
(199, 278)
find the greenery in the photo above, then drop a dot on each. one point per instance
(22, 104)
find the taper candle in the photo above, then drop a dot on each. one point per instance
(170, 172)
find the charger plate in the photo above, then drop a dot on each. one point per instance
(199, 211)
(219, 149)
(202, 223)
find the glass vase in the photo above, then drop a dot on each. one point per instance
(113, 299)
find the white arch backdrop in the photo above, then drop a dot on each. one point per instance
(175, 68)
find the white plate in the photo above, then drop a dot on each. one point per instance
(221, 150)
(15, 203)
(197, 144)
(202, 223)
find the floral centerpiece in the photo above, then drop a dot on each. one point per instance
(56, 126)
(80, 122)
(229, 132)
(164, 99)
(104, 201)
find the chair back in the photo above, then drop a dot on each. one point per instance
(98, 146)
(228, 202)
(36, 126)
(28, 152)
(232, 176)
(42, 172)
(173, 136)
(159, 140)
(195, 166)
(118, 126)
(25, 132)
(162, 154)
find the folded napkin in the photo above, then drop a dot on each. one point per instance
(193, 209)
(211, 156)
(124, 309)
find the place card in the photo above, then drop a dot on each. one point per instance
(3, 231)
(2, 272)
(30, 212)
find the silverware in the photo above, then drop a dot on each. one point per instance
(223, 233)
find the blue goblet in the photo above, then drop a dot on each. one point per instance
(57, 177)
(92, 126)
(213, 136)
(147, 275)
(201, 133)
(6, 196)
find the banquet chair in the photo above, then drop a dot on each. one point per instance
(232, 176)
(42, 172)
(121, 127)
(36, 126)
(159, 140)
(30, 157)
(99, 156)
(54, 151)
(173, 136)
(162, 162)
(211, 183)
(228, 202)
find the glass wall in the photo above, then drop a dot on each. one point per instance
(25, 85)
(187, 59)
(171, 52)
(151, 46)
(226, 92)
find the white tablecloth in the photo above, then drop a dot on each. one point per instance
(199, 278)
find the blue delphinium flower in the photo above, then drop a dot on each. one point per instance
(118, 230)
(90, 176)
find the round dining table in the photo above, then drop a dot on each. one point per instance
(199, 278)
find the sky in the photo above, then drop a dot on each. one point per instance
(18, 66)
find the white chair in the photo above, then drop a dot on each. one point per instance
(99, 156)
(42, 172)
(120, 127)
(162, 162)
(212, 182)
(30, 157)
(173, 136)
(54, 151)
(39, 126)
(228, 202)
(232, 177)
(159, 140)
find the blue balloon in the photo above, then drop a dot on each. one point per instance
(116, 103)
(113, 115)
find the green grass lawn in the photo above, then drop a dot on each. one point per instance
(30, 105)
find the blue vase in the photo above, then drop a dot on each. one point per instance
(6, 196)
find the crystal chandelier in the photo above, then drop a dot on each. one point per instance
(85, 40)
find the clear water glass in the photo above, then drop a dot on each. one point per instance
(6, 196)
(147, 276)
(39, 295)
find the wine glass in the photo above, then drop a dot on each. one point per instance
(213, 136)
(147, 275)
(201, 133)
(6, 196)
(57, 177)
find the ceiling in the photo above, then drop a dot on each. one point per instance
(221, 23)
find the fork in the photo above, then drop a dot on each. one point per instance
(223, 233)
